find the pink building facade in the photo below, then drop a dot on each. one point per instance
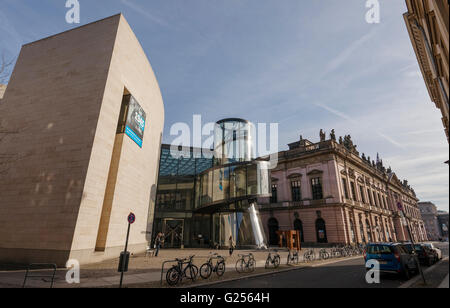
(335, 196)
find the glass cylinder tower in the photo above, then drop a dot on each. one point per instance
(229, 190)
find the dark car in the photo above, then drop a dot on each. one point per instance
(392, 257)
(425, 254)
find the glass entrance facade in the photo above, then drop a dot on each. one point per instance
(213, 198)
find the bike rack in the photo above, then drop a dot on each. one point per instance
(162, 268)
(42, 267)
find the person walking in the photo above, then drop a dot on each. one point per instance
(231, 244)
(159, 240)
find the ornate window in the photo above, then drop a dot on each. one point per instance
(352, 187)
(296, 191)
(321, 231)
(274, 197)
(316, 187)
(361, 193)
(352, 231)
(369, 193)
(344, 184)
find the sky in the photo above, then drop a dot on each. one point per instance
(307, 65)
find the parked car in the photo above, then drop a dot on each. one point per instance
(392, 257)
(437, 250)
(425, 254)
(409, 247)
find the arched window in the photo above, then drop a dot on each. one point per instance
(298, 226)
(352, 231)
(361, 230)
(273, 228)
(321, 231)
(369, 230)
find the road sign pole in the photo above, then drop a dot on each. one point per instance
(125, 256)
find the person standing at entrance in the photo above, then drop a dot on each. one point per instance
(231, 244)
(159, 240)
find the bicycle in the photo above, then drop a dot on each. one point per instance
(246, 263)
(309, 255)
(293, 257)
(274, 260)
(324, 254)
(208, 268)
(176, 273)
(335, 252)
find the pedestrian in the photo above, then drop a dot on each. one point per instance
(159, 240)
(231, 244)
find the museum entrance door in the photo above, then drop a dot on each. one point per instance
(173, 233)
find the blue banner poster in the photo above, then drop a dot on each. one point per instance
(135, 124)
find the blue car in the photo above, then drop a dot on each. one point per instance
(392, 257)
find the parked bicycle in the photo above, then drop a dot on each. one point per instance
(273, 260)
(178, 272)
(208, 268)
(335, 252)
(324, 254)
(309, 255)
(293, 257)
(246, 263)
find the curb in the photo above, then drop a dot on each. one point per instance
(269, 273)
(418, 277)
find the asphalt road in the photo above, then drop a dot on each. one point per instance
(343, 274)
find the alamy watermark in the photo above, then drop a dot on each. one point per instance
(373, 14)
(373, 272)
(73, 273)
(73, 14)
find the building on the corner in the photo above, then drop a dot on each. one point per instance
(2, 90)
(429, 213)
(87, 115)
(427, 22)
(204, 197)
(333, 195)
(442, 217)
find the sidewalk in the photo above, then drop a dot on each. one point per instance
(444, 283)
(146, 270)
(436, 276)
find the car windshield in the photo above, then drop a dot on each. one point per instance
(408, 248)
(380, 249)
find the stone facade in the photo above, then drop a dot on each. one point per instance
(428, 27)
(429, 212)
(334, 195)
(73, 181)
(2, 90)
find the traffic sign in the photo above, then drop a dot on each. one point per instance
(131, 218)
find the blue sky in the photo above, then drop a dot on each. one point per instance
(304, 64)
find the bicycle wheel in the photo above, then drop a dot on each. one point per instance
(267, 263)
(220, 269)
(240, 264)
(276, 261)
(306, 256)
(191, 272)
(205, 270)
(173, 276)
(251, 265)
